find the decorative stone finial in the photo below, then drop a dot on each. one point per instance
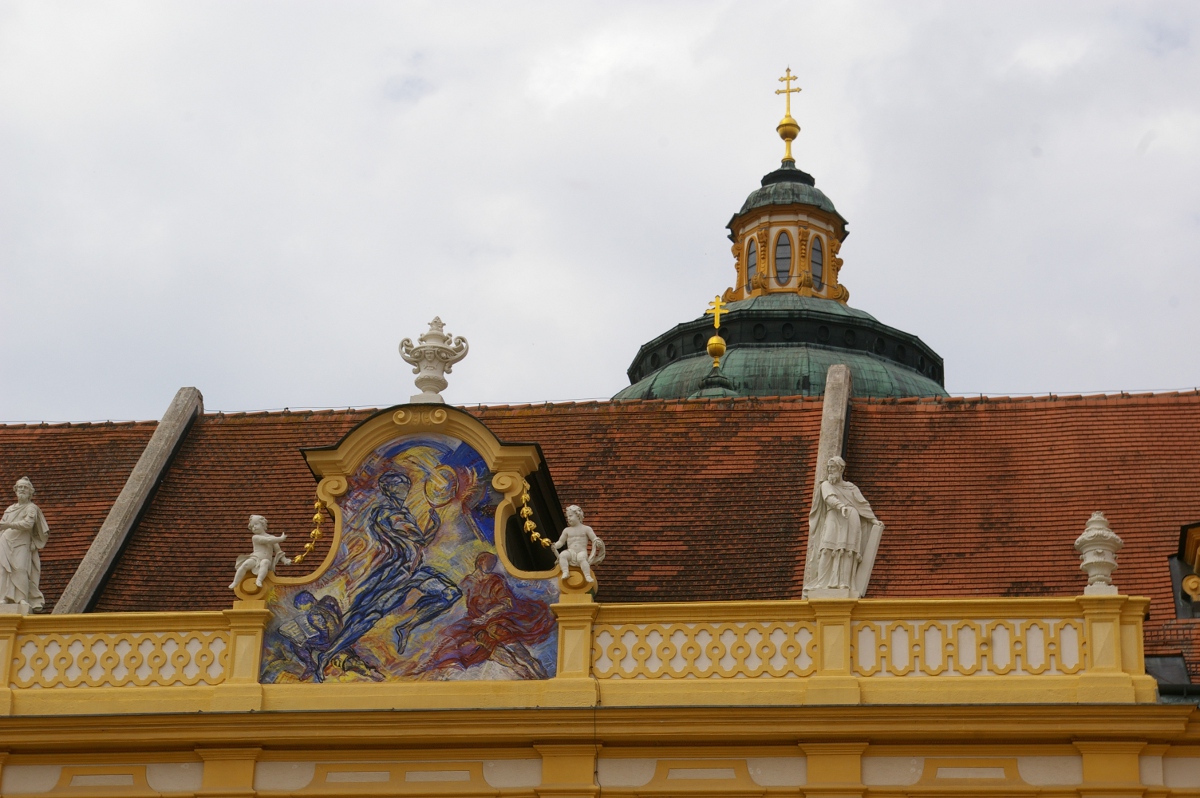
(23, 532)
(573, 545)
(266, 555)
(432, 358)
(1098, 547)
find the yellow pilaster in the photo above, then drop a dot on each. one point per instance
(573, 684)
(8, 651)
(568, 771)
(1145, 687)
(228, 772)
(241, 690)
(1103, 680)
(1111, 770)
(834, 770)
(833, 682)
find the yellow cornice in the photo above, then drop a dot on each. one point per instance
(728, 726)
(796, 214)
(863, 610)
(132, 622)
(673, 612)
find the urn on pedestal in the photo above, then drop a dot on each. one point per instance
(432, 358)
(1098, 547)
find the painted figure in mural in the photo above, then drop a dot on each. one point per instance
(266, 555)
(839, 515)
(498, 627)
(573, 543)
(397, 574)
(311, 634)
(23, 532)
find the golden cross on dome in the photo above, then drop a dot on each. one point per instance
(789, 91)
(715, 309)
(787, 128)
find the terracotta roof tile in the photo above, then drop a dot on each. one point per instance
(987, 496)
(77, 470)
(677, 488)
(181, 555)
(709, 499)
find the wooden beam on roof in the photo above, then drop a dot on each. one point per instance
(134, 498)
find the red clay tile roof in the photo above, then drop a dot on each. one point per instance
(182, 553)
(669, 485)
(985, 497)
(77, 470)
(709, 499)
(695, 500)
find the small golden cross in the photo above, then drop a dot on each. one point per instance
(789, 91)
(715, 309)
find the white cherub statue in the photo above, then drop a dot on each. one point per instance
(575, 538)
(266, 554)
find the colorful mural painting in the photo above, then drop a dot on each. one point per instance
(416, 589)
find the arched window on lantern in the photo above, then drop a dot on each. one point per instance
(751, 263)
(818, 264)
(783, 259)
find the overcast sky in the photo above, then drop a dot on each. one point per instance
(261, 199)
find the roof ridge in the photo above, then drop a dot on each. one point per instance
(636, 404)
(73, 424)
(287, 411)
(1049, 398)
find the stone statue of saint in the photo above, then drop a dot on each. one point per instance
(23, 532)
(573, 543)
(842, 531)
(265, 556)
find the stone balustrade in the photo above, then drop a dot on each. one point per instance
(1085, 649)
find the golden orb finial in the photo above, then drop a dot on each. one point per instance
(788, 128)
(716, 344)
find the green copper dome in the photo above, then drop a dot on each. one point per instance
(786, 186)
(792, 321)
(792, 371)
(787, 194)
(783, 345)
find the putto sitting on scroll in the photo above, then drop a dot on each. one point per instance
(573, 545)
(266, 555)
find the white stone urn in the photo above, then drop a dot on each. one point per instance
(1098, 547)
(432, 358)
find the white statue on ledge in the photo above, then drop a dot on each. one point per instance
(573, 546)
(23, 532)
(840, 538)
(266, 555)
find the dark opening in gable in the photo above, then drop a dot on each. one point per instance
(547, 514)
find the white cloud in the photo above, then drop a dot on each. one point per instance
(261, 199)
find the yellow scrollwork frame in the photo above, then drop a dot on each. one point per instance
(509, 464)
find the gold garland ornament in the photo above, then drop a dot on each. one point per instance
(314, 535)
(527, 514)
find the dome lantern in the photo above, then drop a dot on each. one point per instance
(785, 320)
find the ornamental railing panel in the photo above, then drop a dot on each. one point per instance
(967, 647)
(732, 649)
(121, 651)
